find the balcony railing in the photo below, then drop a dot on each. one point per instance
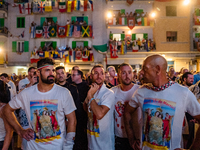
(4, 31)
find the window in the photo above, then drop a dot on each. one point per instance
(49, 21)
(20, 46)
(46, 45)
(1, 22)
(171, 11)
(171, 36)
(79, 43)
(20, 22)
(79, 19)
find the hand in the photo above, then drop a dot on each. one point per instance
(27, 134)
(93, 89)
(135, 144)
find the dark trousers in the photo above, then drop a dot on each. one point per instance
(1, 145)
(122, 144)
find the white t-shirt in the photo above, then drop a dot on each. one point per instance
(46, 115)
(101, 132)
(13, 87)
(121, 100)
(23, 83)
(163, 114)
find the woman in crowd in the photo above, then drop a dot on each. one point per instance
(6, 131)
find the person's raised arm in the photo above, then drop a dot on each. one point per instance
(8, 112)
(134, 142)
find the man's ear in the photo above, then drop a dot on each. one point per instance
(158, 70)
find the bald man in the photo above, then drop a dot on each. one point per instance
(163, 104)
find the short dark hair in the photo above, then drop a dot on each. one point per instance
(185, 75)
(79, 72)
(4, 75)
(123, 64)
(4, 92)
(30, 68)
(73, 68)
(45, 61)
(60, 67)
(97, 66)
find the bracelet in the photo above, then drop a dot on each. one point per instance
(90, 101)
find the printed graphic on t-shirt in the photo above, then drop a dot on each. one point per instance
(93, 123)
(158, 121)
(44, 120)
(119, 112)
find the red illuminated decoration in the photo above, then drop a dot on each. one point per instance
(129, 1)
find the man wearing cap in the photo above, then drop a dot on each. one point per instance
(46, 105)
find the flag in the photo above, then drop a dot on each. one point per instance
(69, 6)
(32, 32)
(91, 57)
(68, 30)
(41, 54)
(41, 6)
(75, 3)
(71, 30)
(22, 34)
(14, 5)
(81, 6)
(28, 8)
(85, 58)
(77, 31)
(52, 31)
(38, 32)
(91, 32)
(62, 7)
(91, 3)
(21, 8)
(78, 5)
(72, 5)
(139, 21)
(100, 48)
(35, 6)
(85, 31)
(113, 51)
(145, 21)
(48, 6)
(54, 4)
(78, 54)
(85, 5)
(46, 31)
(61, 31)
(123, 21)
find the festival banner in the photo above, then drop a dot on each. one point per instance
(139, 21)
(21, 8)
(158, 121)
(46, 32)
(28, 8)
(78, 54)
(129, 1)
(52, 31)
(35, 6)
(61, 31)
(41, 7)
(77, 31)
(48, 6)
(85, 5)
(38, 32)
(85, 31)
(32, 32)
(131, 22)
(69, 6)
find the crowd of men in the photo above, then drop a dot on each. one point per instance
(52, 109)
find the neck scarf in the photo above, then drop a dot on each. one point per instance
(161, 88)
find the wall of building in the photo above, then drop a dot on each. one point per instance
(180, 23)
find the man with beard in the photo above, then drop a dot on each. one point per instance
(81, 115)
(44, 96)
(79, 142)
(123, 93)
(99, 104)
(187, 79)
(167, 97)
(113, 78)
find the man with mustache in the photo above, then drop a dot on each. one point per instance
(123, 93)
(99, 105)
(44, 98)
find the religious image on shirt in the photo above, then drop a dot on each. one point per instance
(158, 121)
(44, 120)
(93, 123)
(119, 112)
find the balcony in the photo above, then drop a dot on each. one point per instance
(3, 31)
(4, 9)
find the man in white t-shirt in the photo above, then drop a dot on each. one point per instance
(46, 105)
(99, 104)
(163, 104)
(123, 93)
(11, 85)
(24, 82)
